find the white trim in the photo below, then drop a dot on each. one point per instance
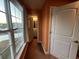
(50, 28)
(49, 33)
(46, 52)
(20, 52)
(16, 3)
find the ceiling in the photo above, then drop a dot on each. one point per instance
(38, 4)
(35, 4)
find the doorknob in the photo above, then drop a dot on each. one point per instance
(75, 41)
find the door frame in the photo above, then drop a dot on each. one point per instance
(50, 27)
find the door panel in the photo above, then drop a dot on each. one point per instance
(61, 46)
(65, 22)
(73, 50)
(61, 49)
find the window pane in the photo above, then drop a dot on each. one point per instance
(12, 7)
(19, 37)
(3, 22)
(14, 22)
(5, 46)
(19, 23)
(17, 13)
(2, 8)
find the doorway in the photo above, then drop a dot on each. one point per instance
(33, 27)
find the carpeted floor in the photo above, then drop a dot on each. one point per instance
(35, 51)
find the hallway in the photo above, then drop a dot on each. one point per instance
(35, 51)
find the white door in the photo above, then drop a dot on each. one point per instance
(65, 31)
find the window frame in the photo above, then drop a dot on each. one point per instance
(10, 25)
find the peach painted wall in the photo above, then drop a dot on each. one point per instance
(46, 18)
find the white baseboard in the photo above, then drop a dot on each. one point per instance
(46, 52)
(39, 41)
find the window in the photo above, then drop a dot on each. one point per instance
(17, 21)
(11, 32)
(5, 39)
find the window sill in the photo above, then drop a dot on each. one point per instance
(20, 52)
